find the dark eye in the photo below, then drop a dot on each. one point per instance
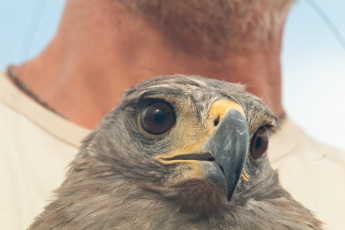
(259, 143)
(158, 117)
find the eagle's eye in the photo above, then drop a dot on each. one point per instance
(259, 143)
(158, 117)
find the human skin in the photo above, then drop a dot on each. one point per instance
(101, 48)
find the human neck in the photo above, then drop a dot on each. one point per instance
(82, 75)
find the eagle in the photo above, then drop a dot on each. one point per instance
(177, 152)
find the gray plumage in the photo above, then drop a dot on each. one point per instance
(116, 182)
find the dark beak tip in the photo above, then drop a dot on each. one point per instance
(230, 193)
(228, 197)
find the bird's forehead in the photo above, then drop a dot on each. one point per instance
(201, 89)
(180, 85)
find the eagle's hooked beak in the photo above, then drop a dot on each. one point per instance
(229, 146)
(221, 155)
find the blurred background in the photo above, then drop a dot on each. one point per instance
(313, 60)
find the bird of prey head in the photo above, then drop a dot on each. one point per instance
(178, 152)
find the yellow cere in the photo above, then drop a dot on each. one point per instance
(219, 109)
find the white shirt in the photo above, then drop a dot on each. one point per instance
(312, 172)
(36, 147)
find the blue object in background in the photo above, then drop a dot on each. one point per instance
(313, 61)
(26, 27)
(313, 66)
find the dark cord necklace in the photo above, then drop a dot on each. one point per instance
(11, 72)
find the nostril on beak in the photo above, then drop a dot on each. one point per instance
(216, 121)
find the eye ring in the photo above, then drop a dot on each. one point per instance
(259, 143)
(157, 117)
